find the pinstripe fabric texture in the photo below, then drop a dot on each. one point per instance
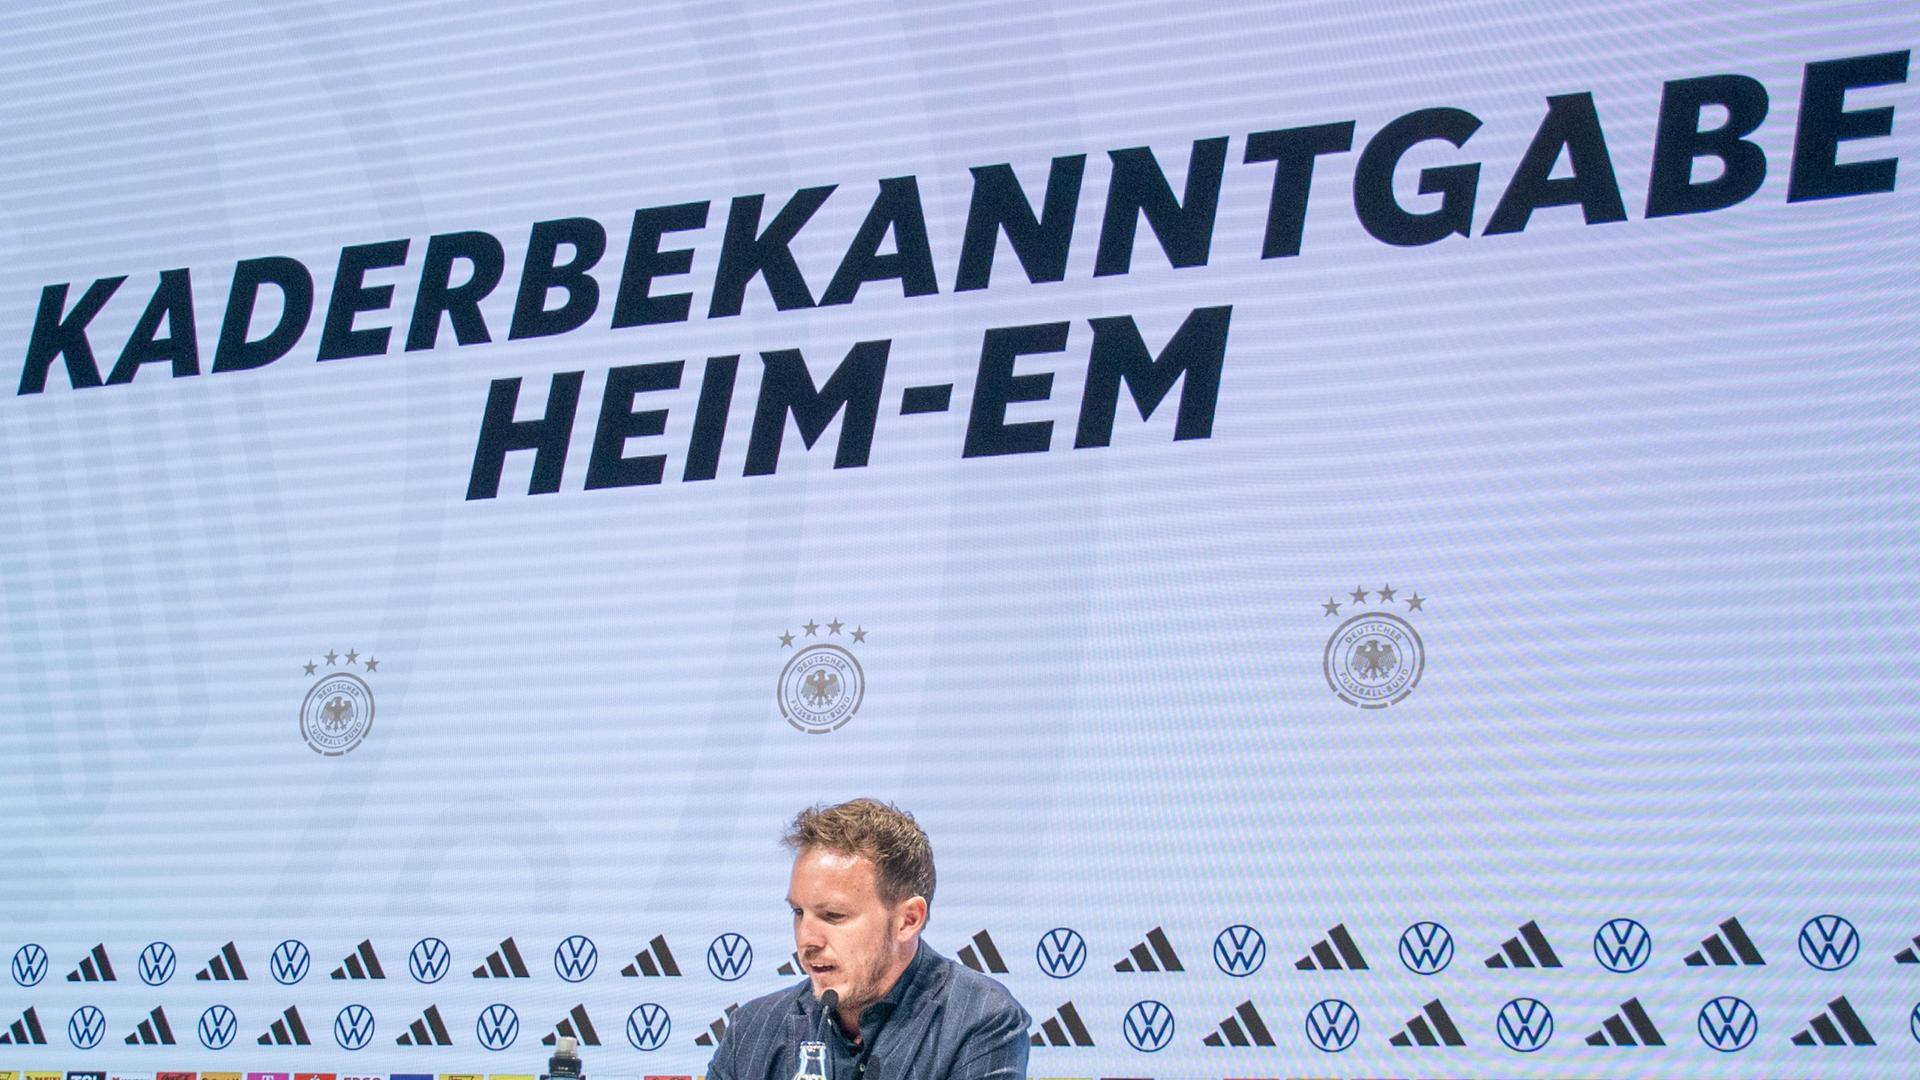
(950, 1022)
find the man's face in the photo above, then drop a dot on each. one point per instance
(849, 940)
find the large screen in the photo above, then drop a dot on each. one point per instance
(1376, 540)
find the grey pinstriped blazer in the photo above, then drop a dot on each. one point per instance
(941, 1021)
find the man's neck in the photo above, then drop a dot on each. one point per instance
(848, 1021)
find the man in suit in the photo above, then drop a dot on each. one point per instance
(880, 1004)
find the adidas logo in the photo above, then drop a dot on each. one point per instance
(1631, 1026)
(153, 1031)
(1907, 955)
(1838, 1026)
(1433, 1027)
(94, 967)
(1064, 1028)
(428, 1030)
(25, 1031)
(1141, 956)
(986, 954)
(224, 967)
(1243, 1028)
(574, 1025)
(716, 1030)
(503, 963)
(653, 961)
(361, 963)
(1335, 952)
(286, 1031)
(1528, 949)
(1722, 949)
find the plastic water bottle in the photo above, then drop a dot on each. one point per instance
(565, 1062)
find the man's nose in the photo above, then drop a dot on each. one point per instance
(806, 934)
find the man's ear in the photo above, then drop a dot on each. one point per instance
(911, 918)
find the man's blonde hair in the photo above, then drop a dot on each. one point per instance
(882, 833)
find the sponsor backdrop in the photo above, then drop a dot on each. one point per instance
(1376, 542)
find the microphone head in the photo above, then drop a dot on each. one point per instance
(830, 1001)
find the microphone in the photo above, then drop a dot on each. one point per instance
(829, 1014)
(565, 1063)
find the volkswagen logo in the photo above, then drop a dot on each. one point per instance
(1622, 945)
(1239, 950)
(1426, 948)
(1332, 1025)
(29, 965)
(429, 960)
(648, 1027)
(1524, 1024)
(1829, 942)
(575, 958)
(497, 1027)
(353, 1027)
(1062, 952)
(1728, 1024)
(156, 963)
(1148, 1026)
(1913, 1023)
(729, 957)
(86, 1026)
(217, 1026)
(289, 962)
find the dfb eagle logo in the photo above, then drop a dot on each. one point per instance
(1377, 660)
(822, 687)
(1374, 659)
(336, 713)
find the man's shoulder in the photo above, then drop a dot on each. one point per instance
(969, 992)
(751, 1024)
(769, 1006)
